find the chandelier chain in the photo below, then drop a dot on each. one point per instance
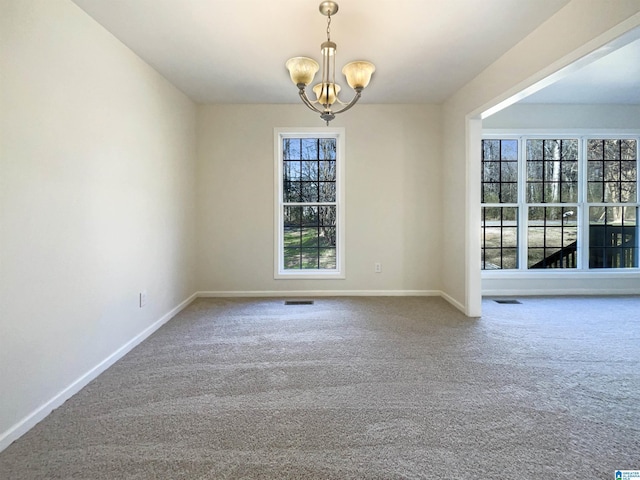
(329, 27)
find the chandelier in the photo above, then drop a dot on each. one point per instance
(303, 70)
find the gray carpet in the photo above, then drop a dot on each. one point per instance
(355, 388)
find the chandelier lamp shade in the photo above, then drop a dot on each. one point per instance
(303, 70)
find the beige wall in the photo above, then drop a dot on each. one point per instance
(96, 200)
(393, 189)
(576, 30)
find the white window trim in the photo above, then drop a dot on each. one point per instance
(325, 132)
(583, 270)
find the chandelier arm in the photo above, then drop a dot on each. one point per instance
(351, 103)
(306, 101)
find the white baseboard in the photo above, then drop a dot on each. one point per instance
(320, 293)
(27, 423)
(453, 302)
(555, 292)
(334, 293)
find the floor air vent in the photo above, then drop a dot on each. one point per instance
(298, 302)
(509, 302)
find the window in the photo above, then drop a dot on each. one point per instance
(612, 183)
(561, 203)
(309, 206)
(500, 204)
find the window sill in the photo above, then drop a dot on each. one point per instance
(309, 275)
(562, 273)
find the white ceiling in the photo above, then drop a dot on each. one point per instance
(613, 79)
(234, 51)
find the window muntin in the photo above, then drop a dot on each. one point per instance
(309, 218)
(499, 171)
(499, 238)
(577, 208)
(552, 170)
(310, 237)
(613, 237)
(612, 170)
(552, 237)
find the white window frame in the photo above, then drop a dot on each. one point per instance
(315, 274)
(582, 270)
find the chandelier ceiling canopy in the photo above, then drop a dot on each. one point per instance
(303, 70)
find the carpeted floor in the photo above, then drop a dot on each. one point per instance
(358, 388)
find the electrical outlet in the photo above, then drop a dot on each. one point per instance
(143, 298)
(377, 267)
